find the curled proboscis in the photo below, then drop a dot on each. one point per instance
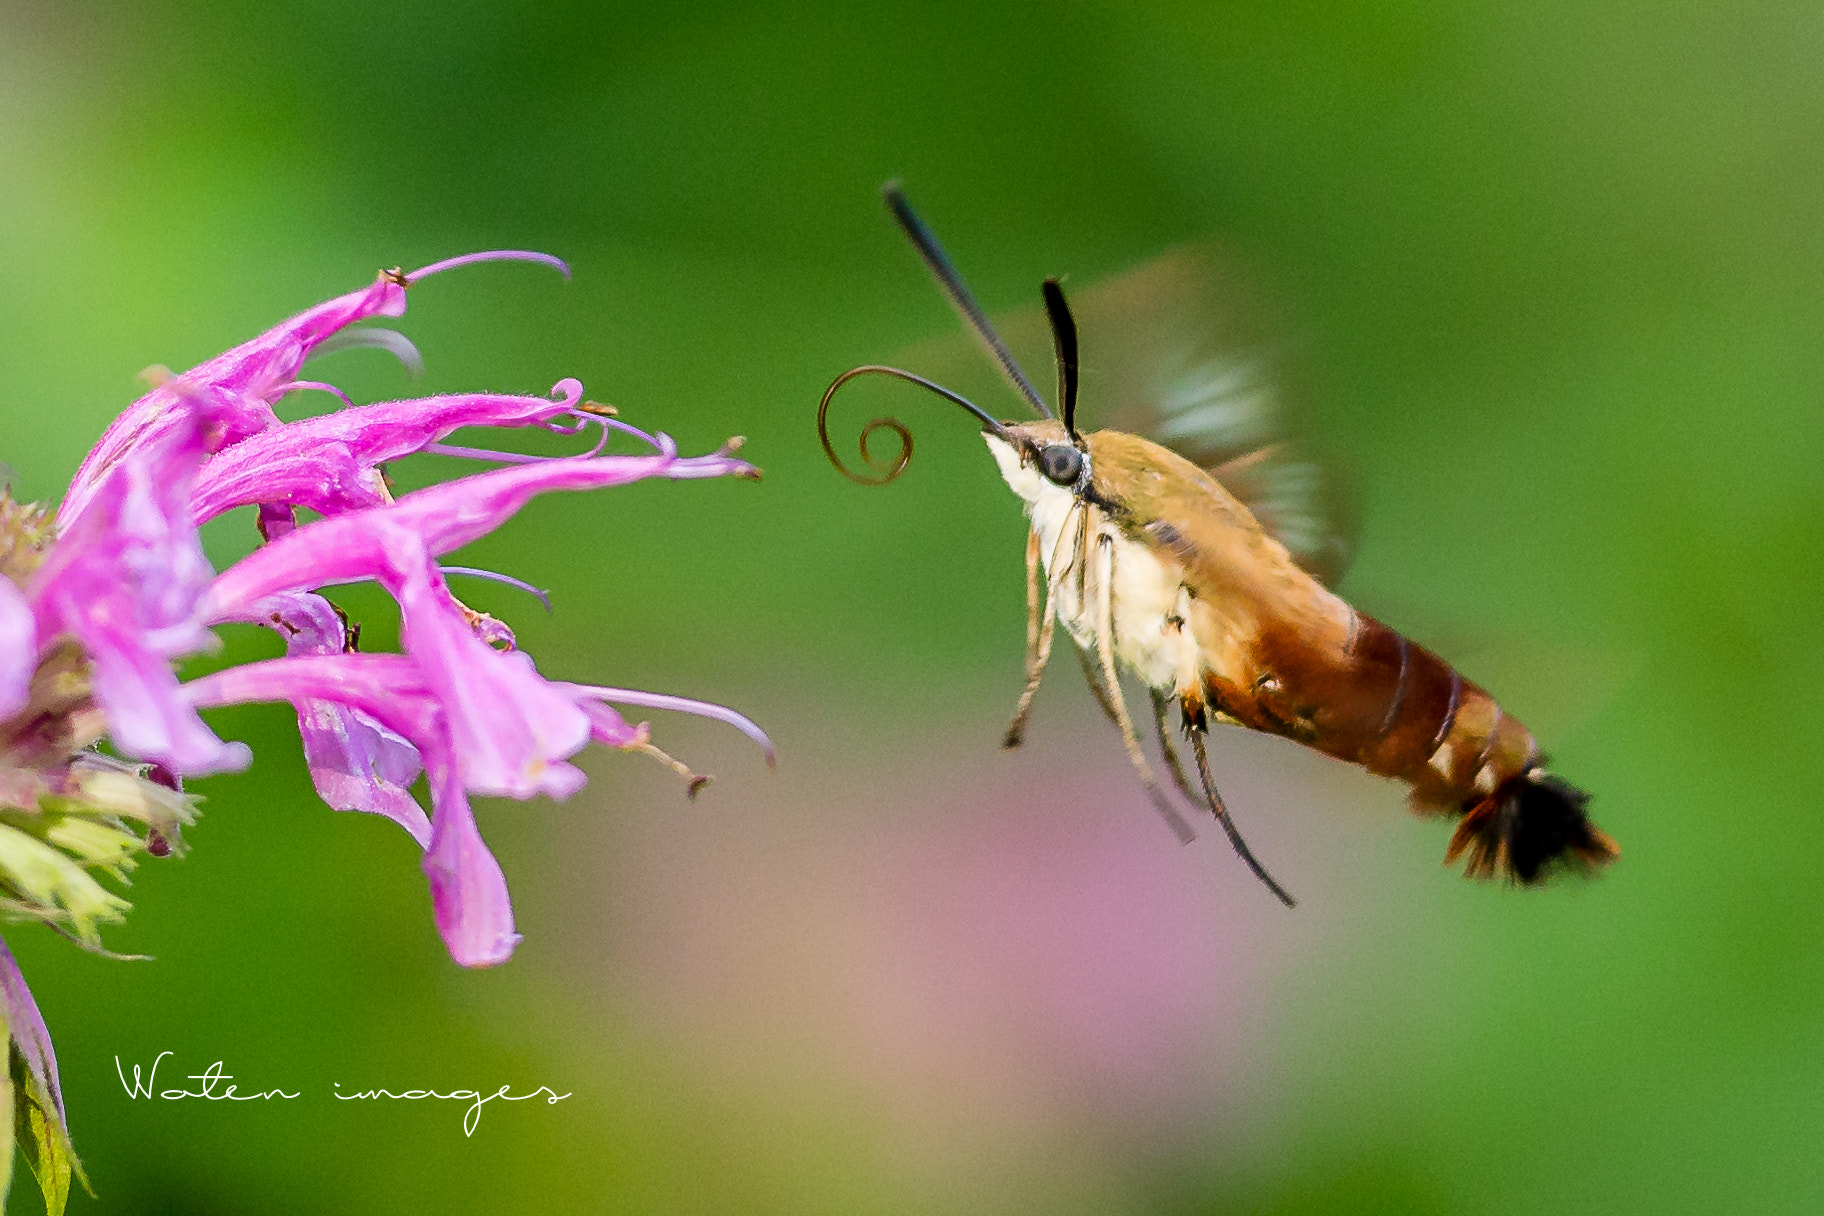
(886, 470)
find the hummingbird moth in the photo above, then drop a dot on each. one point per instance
(1191, 566)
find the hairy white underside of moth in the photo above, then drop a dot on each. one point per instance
(1150, 606)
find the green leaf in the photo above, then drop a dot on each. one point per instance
(43, 1139)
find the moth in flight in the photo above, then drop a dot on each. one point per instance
(1199, 566)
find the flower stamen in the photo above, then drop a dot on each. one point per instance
(299, 386)
(374, 337)
(685, 705)
(542, 596)
(693, 781)
(470, 259)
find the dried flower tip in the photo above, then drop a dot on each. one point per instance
(490, 629)
(26, 531)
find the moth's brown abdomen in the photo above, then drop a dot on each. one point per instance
(1372, 698)
(1388, 704)
(1384, 702)
(1418, 696)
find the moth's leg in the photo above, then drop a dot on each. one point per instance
(1082, 553)
(1162, 707)
(1105, 651)
(1093, 673)
(1228, 824)
(1091, 662)
(1033, 565)
(1039, 623)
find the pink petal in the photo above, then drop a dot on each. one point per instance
(137, 532)
(468, 891)
(387, 687)
(358, 765)
(355, 763)
(124, 579)
(608, 727)
(509, 726)
(147, 714)
(18, 649)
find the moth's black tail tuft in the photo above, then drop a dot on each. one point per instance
(1530, 828)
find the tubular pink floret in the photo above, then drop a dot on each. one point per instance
(685, 705)
(236, 387)
(330, 463)
(492, 255)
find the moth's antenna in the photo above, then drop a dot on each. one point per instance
(960, 298)
(1064, 337)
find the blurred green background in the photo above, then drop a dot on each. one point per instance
(1554, 278)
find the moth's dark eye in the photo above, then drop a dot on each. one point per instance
(1061, 463)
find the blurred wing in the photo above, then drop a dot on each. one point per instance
(1175, 351)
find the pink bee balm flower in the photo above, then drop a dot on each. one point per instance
(461, 704)
(96, 606)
